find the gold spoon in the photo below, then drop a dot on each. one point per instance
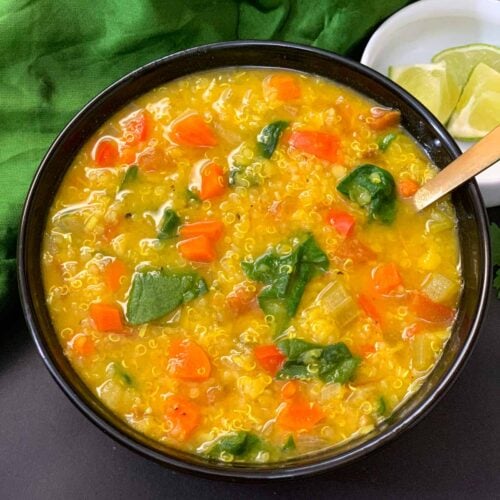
(476, 159)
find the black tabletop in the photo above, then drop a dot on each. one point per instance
(49, 450)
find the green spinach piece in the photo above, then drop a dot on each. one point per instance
(192, 196)
(305, 360)
(169, 224)
(122, 375)
(372, 188)
(130, 176)
(156, 293)
(386, 141)
(495, 255)
(243, 176)
(240, 444)
(289, 444)
(381, 406)
(286, 276)
(268, 137)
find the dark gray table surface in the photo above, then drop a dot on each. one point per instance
(49, 450)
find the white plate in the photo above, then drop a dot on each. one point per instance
(416, 33)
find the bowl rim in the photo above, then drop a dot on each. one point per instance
(217, 470)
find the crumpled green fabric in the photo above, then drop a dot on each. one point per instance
(56, 55)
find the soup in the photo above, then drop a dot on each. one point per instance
(232, 266)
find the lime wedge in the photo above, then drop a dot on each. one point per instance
(431, 85)
(478, 110)
(461, 60)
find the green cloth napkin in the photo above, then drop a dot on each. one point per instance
(56, 55)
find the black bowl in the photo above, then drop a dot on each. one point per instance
(422, 125)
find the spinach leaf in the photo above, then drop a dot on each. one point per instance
(156, 293)
(386, 141)
(289, 444)
(372, 188)
(286, 277)
(381, 407)
(122, 374)
(268, 137)
(130, 176)
(192, 196)
(239, 444)
(169, 224)
(331, 363)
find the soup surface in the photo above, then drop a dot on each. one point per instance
(232, 266)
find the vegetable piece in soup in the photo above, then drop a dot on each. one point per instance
(232, 266)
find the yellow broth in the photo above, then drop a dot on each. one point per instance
(388, 292)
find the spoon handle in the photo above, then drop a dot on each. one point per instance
(476, 159)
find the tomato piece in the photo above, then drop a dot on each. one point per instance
(320, 144)
(407, 187)
(300, 414)
(192, 130)
(285, 86)
(430, 311)
(352, 248)
(213, 182)
(386, 278)
(183, 417)
(342, 221)
(188, 361)
(197, 249)
(113, 273)
(106, 152)
(269, 357)
(106, 317)
(82, 345)
(240, 299)
(383, 118)
(369, 307)
(212, 229)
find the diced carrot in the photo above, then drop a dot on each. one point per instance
(106, 152)
(269, 357)
(384, 118)
(188, 361)
(137, 127)
(386, 277)
(183, 417)
(127, 155)
(82, 345)
(368, 305)
(113, 273)
(428, 310)
(366, 349)
(287, 87)
(352, 248)
(407, 187)
(106, 317)
(213, 182)
(342, 221)
(212, 229)
(192, 130)
(300, 414)
(241, 298)
(197, 249)
(289, 389)
(324, 146)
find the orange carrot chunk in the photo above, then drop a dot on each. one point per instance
(213, 182)
(138, 127)
(183, 417)
(113, 273)
(342, 221)
(197, 249)
(289, 389)
(384, 118)
(269, 357)
(428, 310)
(320, 144)
(386, 277)
(106, 317)
(287, 87)
(82, 346)
(192, 130)
(106, 153)
(369, 307)
(212, 229)
(188, 361)
(407, 187)
(300, 414)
